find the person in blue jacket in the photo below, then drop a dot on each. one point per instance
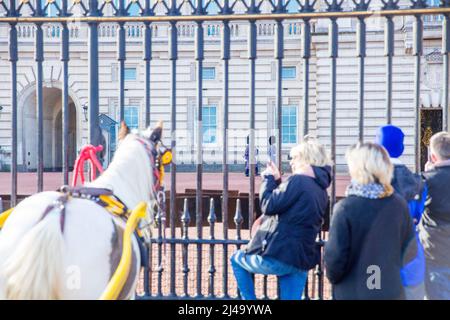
(284, 244)
(412, 188)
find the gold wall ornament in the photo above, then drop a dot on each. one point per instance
(428, 133)
(431, 122)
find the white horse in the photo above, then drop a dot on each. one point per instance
(41, 258)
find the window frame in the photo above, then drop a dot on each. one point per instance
(294, 107)
(216, 126)
(136, 107)
(289, 78)
(135, 73)
(214, 73)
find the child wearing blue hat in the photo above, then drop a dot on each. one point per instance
(413, 189)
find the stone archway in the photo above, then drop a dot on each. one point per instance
(52, 131)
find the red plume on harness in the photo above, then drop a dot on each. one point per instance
(87, 153)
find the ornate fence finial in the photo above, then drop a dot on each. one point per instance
(148, 8)
(173, 10)
(11, 10)
(280, 7)
(253, 8)
(334, 5)
(390, 5)
(306, 6)
(185, 217)
(212, 213)
(418, 4)
(238, 219)
(361, 5)
(64, 10)
(226, 8)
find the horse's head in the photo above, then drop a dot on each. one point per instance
(159, 156)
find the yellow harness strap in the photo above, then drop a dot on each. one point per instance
(120, 276)
(4, 216)
(112, 205)
(115, 207)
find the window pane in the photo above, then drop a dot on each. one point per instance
(209, 129)
(289, 124)
(209, 73)
(131, 117)
(130, 73)
(288, 72)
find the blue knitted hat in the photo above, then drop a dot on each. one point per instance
(391, 138)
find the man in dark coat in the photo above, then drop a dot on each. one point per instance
(434, 229)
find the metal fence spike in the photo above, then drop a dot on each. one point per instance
(186, 217)
(238, 219)
(212, 213)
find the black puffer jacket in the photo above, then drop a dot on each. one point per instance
(293, 213)
(435, 224)
(406, 183)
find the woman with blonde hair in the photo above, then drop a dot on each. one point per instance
(284, 243)
(372, 235)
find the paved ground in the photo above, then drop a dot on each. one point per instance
(27, 182)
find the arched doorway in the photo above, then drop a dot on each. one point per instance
(52, 131)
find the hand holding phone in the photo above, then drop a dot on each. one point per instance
(429, 165)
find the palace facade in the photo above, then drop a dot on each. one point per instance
(293, 110)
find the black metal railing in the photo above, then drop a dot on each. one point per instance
(94, 14)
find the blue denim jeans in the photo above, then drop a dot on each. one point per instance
(292, 280)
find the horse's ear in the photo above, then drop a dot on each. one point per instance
(157, 132)
(124, 130)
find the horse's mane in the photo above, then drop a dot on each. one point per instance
(129, 175)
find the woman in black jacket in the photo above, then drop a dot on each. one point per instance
(284, 244)
(372, 234)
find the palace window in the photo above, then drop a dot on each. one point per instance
(209, 73)
(130, 74)
(209, 128)
(288, 73)
(289, 124)
(131, 116)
